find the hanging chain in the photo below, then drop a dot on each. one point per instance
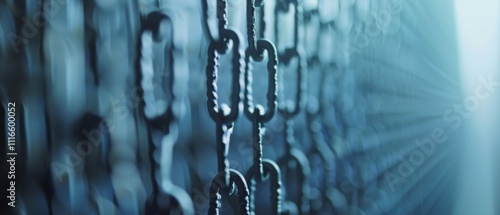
(240, 186)
(254, 112)
(261, 169)
(314, 111)
(223, 115)
(153, 71)
(289, 109)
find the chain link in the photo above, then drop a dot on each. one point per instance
(240, 188)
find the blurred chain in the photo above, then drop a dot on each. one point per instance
(321, 157)
(293, 158)
(161, 110)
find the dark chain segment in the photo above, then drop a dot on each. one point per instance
(272, 173)
(267, 169)
(240, 189)
(253, 46)
(225, 115)
(222, 24)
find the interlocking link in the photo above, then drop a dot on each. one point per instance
(267, 169)
(224, 116)
(272, 173)
(255, 51)
(240, 189)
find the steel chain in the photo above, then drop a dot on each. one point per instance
(223, 115)
(261, 169)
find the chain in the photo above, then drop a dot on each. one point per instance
(240, 186)
(289, 109)
(343, 185)
(223, 115)
(314, 115)
(261, 169)
(153, 38)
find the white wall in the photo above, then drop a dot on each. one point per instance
(478, 35)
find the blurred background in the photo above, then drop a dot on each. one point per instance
(383, 106)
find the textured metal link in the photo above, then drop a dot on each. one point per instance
(240, 189)
(253, 46)
(223, 113)
(272, 90)
(224, 116)
(272, 173)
